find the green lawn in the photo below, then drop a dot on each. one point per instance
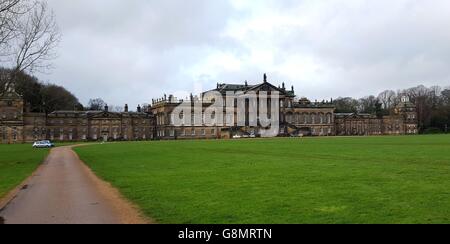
(17, 162)
(313, 180)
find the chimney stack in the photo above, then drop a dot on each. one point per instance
(106, 108)
(139, 108)
(126, 108)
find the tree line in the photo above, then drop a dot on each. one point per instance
(40, 97)
(432, 103)
(46, 98)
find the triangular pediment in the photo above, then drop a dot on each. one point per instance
(10, 95)
(105, 115)
(267, 87)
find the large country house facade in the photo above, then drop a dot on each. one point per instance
(297, 117)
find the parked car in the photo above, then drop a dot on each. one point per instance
(43, 144)
(237, 137)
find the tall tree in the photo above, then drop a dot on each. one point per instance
(368, 105)
(96, 104)
(58, 98)
(40, 97)
(28, 36)
(346, 105)
(10, 10)
(387, 99)
(36, 40)
(446, 96)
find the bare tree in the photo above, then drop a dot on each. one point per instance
(435, 96)
(37, 37)
(386, 98)
(10, 13)
(7, 5)
(368, 105)
(96, 104)
(446, 97)
(28, 36)
(118, 109)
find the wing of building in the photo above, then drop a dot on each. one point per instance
(297, 117)
(17, 125)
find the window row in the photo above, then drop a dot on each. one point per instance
(309, 118)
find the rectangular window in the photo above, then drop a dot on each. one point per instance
(193, 131)
(203, 132)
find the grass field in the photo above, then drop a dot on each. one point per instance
(314, 180)
(17, 162)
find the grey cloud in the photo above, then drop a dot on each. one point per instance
(129, 51)
(132, 51)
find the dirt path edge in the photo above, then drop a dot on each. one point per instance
(128, 212)
(4, 201)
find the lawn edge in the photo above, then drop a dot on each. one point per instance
(5, 200)
(129, 212)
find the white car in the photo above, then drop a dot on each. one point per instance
(43, 144)
(237, 137)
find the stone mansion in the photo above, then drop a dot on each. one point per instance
(297, 117)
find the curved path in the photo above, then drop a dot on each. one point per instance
(65, 191)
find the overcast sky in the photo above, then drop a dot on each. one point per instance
(130, 51)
